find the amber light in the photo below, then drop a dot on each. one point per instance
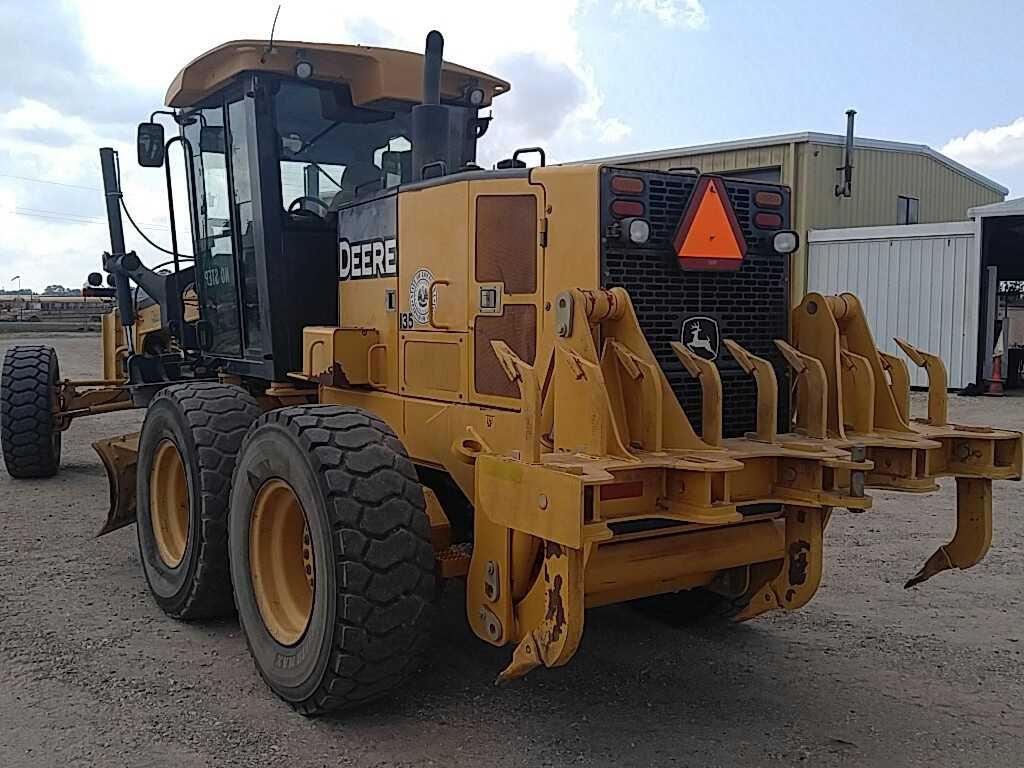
(627, 185)
(627, 208)
(768, 220)
(768, 199)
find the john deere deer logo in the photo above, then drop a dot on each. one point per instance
(700, 336)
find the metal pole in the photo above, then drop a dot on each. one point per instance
(991, 286)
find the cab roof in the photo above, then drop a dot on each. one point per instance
(372, 74)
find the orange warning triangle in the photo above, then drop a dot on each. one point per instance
(708, 236)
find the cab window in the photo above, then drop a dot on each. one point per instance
(331, 152)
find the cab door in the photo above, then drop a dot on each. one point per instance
(213, 238)
(221, 140)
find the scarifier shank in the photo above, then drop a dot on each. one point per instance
(625, 500)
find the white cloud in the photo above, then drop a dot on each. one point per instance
(473, 37)
(8, 202)
(672, 13)
(613, 130)
(107, 65)
(1000, 148)
(51, 203)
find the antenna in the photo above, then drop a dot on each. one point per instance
(270, 43)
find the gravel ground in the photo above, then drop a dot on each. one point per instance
(92, 674)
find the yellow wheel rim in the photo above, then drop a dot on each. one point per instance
(168, 503)
(281, 562)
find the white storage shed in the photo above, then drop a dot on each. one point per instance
(921, 282)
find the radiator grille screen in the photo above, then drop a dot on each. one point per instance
(517, 327)
(506, 241)
(751, 305)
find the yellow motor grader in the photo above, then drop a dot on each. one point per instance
(382, 367)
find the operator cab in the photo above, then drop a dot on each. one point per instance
(276, 139)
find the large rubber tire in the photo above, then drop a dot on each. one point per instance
(373, 574)
(690, 606)
(28, 395)
(205, 422)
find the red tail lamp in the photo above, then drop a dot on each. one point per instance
(627, 208)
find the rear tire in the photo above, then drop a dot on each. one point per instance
(28, 401)
(348, 505)
(187, 451)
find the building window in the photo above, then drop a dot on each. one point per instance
(906, 210)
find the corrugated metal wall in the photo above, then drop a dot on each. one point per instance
(720, 162)
(923, 289)
(879, 178)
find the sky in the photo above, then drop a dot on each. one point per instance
(590, 78)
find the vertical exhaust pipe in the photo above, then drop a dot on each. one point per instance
(845, 187)
(432, 68)
(430, 118)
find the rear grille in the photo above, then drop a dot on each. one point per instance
(668, 195)
(751, 304)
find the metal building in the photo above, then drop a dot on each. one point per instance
(893, 182)
(922, 283)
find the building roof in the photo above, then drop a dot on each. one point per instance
(1013, 207)
(809, 137)
(372, 74)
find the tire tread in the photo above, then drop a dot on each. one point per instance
(219, 415)
(27, 420)
(384, 555)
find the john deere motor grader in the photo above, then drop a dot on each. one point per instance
(385, 367)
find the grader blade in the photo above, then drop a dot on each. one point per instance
(119, 456)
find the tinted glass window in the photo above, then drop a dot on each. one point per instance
(239, 134)
(907, 210)
(215, 259)
(334, 151)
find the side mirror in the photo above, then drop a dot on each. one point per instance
(149, 142)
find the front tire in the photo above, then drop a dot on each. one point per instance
(331, 557)
(28, 404)
(187, 451)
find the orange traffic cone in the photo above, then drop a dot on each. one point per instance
(995, 384)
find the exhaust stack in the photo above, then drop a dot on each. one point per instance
(430, 118)
(845, 187)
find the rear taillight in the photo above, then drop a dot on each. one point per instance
(765, 199)
(765, 220)
(627, 208)
(627, 185)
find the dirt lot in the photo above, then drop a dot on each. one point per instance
(92, 674)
